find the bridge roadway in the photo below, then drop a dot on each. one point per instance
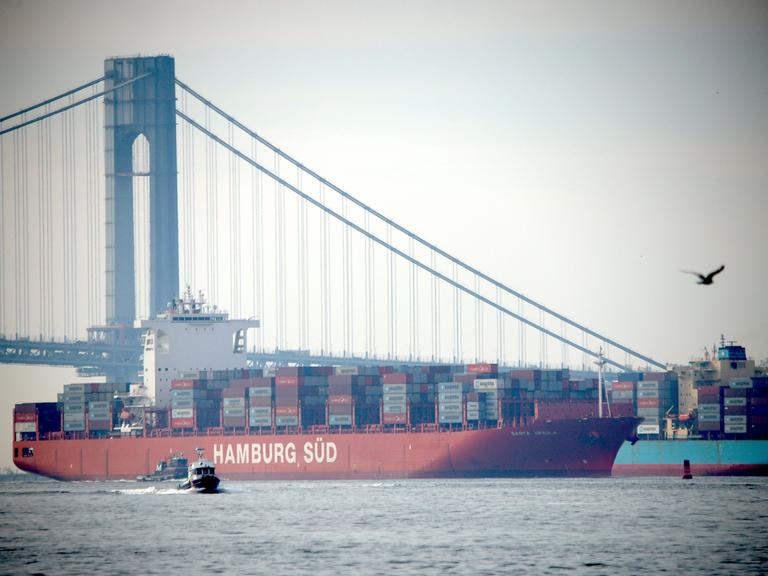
(123, 362)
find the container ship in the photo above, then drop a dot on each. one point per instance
(314, 422)
(712, 412)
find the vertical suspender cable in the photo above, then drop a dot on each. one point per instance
(49, 232)
(543, 360)
(457, 354)
(323, 277)
(370, 294)
(345, 275)
(41, 228)
(500, 336)
(392, 308)
(234, 227)
(2, 235)
(302, 248)
(521, 338)
(479, 328)
(25, 236)
(15, 232)
(563, 347)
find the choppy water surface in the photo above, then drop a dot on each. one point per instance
(597, 526)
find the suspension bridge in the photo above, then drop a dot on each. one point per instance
(122, 190)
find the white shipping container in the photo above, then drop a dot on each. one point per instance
(450, 407)
(487, 384)
(24, 427)
(734, 419)
(182, 413)
(740, 383)
(647, 385)
(705, 417)
(395, 388)
(449, 387)
(346, 370)
(709, 408)
(735, 401)
(735, 428)
(648, 429)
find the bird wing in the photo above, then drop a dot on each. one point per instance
(692, 272)
(717, 271)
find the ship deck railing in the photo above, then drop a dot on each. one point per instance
(316, 429)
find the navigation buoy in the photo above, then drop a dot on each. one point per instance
(687, 470)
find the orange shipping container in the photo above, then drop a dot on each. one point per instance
(483, 368)
(647, 402)
(286, 410)
(624, 386)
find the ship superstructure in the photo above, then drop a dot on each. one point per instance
(190, 337)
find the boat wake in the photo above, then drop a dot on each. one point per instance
(151, 490)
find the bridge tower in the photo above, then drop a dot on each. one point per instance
(146, 107)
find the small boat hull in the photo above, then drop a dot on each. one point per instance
(203, 484)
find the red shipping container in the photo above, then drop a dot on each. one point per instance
(24, 416)
(186, 384)
(288, 381)
(260, 401)
(340, 399)
(623, 386)
(286, 410)
(235, 392)
(709, 391)
(483, 368)
(239, 384)
(260, 382)
(647, 402)
(181, 423)
(231, 422)
(396, 378)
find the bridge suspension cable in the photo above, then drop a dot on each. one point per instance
(51, 100)
(387, 245)
(458, 262)
(72, 105)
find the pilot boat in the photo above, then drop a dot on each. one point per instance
(173, 468)
(201, 475)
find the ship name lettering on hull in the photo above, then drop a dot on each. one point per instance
(318, 452)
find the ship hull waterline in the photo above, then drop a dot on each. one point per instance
(706, 458)
(571, 448)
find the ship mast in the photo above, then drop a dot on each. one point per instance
(601, 361)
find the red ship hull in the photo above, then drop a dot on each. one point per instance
(578, 447)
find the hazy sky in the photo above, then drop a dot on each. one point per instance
(583, 153)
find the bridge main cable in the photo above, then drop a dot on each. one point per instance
(389, 247)
(422, 241)
(53, 99)
(75, 104)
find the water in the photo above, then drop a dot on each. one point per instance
(615, 526)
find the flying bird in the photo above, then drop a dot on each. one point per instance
(708, 279)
